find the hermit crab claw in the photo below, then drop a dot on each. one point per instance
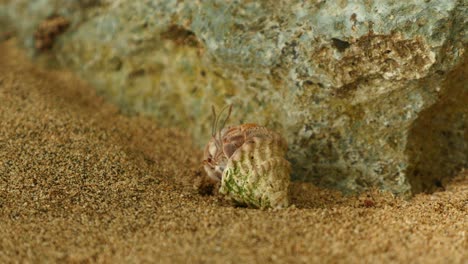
(229, 149)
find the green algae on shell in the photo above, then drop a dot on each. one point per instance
(257, 174)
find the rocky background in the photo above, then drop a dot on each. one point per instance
(366, 93)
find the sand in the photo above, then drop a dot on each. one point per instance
(81, 182)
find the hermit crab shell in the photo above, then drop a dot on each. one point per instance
(257, 174)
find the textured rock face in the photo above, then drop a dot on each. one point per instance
(359, 90)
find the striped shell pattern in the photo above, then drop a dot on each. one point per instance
(249, 162)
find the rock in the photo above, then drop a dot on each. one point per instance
(366, 94)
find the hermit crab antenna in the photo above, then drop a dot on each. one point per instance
(213, 125)
(227, 117)
(215, 128)
(229, 107)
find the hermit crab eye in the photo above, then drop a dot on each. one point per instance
(212, 150)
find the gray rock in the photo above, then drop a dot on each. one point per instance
(367, 93)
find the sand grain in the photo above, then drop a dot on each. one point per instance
(79, 182)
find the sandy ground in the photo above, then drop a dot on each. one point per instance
(80, 182)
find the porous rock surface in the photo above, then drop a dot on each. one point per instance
(366, 93)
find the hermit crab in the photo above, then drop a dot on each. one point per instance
(248, 160)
